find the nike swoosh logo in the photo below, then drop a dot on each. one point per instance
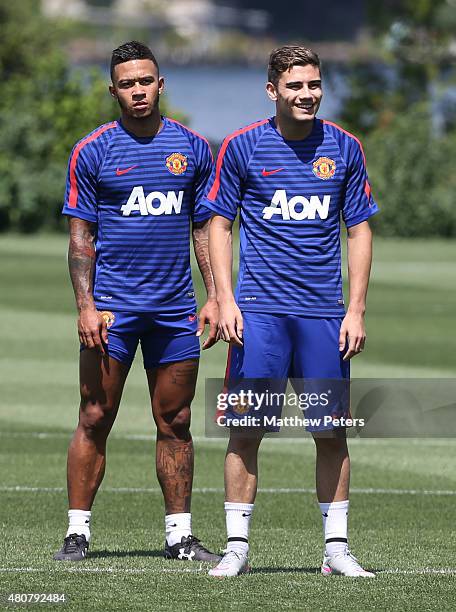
(244, 514)
(119, 172)
(265, 172)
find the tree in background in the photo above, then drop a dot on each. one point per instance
(412, 176)
(413, 40)
(401, 104)
(45, 107)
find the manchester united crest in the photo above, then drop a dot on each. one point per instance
(242, 406)
(177, 163)
(324, 168)
(108, 317)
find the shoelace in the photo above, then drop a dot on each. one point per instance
(71, 543)
(227, 553)
(353, 560)
(194, 542)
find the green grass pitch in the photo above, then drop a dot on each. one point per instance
(403, 491)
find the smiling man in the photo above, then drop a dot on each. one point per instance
(292, 177)
(134, 188)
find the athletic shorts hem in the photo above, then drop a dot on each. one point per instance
(124, 359)
(183, 310)
(307, 314)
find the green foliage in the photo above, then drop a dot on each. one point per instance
(411, 170)
(389, 105)
(45, 107)
(38, 131)
(419, 13)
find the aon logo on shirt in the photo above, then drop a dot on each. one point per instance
(298, 207)
(156, 203)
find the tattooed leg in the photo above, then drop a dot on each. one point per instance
(174, 462)
(172, 388)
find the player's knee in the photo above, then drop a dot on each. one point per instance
(175, 424)
(243, 445)
(96, 418)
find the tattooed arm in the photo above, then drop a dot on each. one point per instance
(209, 312)
(81, 262)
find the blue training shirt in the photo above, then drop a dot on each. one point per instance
(142, 193)
(291, 195)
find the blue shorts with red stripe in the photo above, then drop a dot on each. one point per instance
(303, 349)
(164, 338)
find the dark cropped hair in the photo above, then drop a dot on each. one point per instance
(284, 58)
(132, 50)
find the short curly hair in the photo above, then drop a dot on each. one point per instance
(129, 51)
(284, 58)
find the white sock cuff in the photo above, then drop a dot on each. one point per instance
(79, 513)
(79, 522)
(180, 521)
(177, 526)
(239, 507)
(340, 505)
(178, 516)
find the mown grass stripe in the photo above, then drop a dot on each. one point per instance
(44, 435)
(447, 571)
(367, 491)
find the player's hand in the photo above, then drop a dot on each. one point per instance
(92, 329)
(352, 331)
(231, 324)
(209, 314)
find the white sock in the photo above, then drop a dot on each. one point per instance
(177, 526)
(237, 526)
(335, 525)
(79, 522)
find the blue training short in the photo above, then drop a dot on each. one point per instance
(281, 347)
(164, 338)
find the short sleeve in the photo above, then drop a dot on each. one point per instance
(81, 185)
(358, 204)
(205, 164)
(224, 192)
